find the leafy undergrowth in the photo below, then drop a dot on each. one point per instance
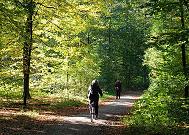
(133, 130)
(44, 104)
(158, 114)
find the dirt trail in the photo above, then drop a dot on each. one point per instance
(109, 114)
(15, 122)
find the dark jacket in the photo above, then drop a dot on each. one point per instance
(118, 85)
(94, 91)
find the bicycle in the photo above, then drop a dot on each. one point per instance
(92, 110)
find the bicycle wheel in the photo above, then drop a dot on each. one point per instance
(92, 113)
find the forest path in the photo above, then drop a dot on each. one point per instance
(107, 123)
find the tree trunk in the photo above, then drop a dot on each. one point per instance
(183, 47)
(184, 68)
(88, 38)
(27, 50)
(109, 31)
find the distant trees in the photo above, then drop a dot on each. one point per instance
(60, 46)
(121, 45)
(45, 35)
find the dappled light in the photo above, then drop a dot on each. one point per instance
(61, 58)
(109, 114)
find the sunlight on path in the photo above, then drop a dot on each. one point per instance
(114, 109)
(84, 120)
(48, 122)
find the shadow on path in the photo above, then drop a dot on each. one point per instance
(107, 124)
(109, 115)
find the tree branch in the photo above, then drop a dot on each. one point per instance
(45, 5)
(11, 20)
(186, 4)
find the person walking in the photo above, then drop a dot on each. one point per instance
(118, 89)
(93, 95)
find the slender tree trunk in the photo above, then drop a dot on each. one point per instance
(88, 38)
(109, 31)
(183, 48)
(184, 68)
(27, 50)
(67, 83)
(67, 73)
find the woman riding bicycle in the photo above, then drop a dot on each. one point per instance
(93, 95)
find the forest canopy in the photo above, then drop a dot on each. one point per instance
(61, 46)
